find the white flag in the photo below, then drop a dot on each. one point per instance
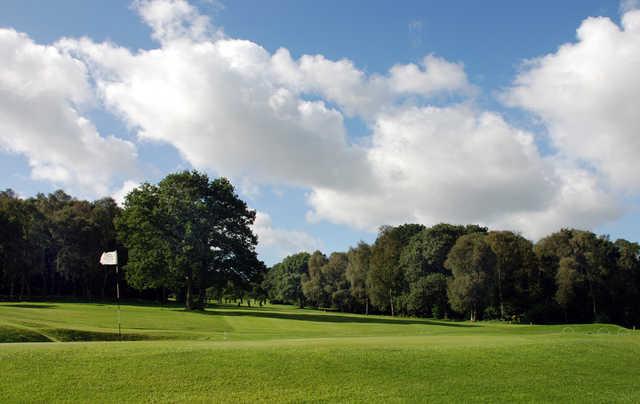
(109, 258)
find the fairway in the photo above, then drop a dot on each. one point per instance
(283, 354)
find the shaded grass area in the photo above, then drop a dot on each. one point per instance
(15, 334)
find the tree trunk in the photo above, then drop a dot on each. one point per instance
(21, 287)
(391, 302)
(366, 306)
(188, 298)
(104, 285)
(45, 289)
(593, 299)
(500, 294)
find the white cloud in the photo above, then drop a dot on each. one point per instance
(230, 106)
(587, 94)
(173, 19)
(41, 93)
(435, 75)
(120, 195)
(365, 96)
(461, 165)
(278, 243)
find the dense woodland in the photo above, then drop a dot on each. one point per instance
(449, 271)
(190, 237)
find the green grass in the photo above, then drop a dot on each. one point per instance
(283, 354)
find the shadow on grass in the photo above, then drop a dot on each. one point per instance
(30, 306)
(329, 318)
(71, 335)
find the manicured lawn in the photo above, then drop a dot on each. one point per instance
(283, 354)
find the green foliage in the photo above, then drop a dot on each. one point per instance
(188, 232)
(515, 271)
(472, 263)
(313, 281)
(427, 297)
(357, 273)
(190, 237)
(385, 273)
(285, 279)
(336, 286)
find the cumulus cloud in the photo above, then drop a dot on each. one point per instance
(120, 194)
(277, 242)
(41, 92)
(230, 106)
(173, 19)
(435, 75)
(587, 94)
(462, 165)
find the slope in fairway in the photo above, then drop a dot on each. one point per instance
(283, 354)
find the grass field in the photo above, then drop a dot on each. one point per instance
(283, 354)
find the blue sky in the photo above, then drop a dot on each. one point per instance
(487, 41)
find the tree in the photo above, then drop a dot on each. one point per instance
(188, 232)
(285, 279)
(335, 284)
(472, 263)
(313, 282)
(594, 262)
(385, 274)
(428, 296)
(567, 279)
(357, 273)
(425, 254)
(515, 265)
(427, 251)
(625, 283)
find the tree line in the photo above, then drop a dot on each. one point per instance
(190, 237)
(452, 271)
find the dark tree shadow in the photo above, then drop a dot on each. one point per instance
(330, 318)
(31, 306)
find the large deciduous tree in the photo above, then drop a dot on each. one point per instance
(515, 266)
(313, 282)
(357, 272)
(385, 274)
(471, 263)
(188, 232)
(284, 279)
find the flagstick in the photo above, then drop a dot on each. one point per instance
(118, 301)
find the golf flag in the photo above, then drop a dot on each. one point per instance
(109, 258)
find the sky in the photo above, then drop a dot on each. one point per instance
(333, 118)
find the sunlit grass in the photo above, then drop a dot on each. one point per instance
(283, 354)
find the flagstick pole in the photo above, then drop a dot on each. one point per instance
(118, 300)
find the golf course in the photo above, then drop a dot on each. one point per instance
(71, 352)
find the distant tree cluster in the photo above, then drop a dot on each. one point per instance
(449, 271)
(50, 245)
(187, 236)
